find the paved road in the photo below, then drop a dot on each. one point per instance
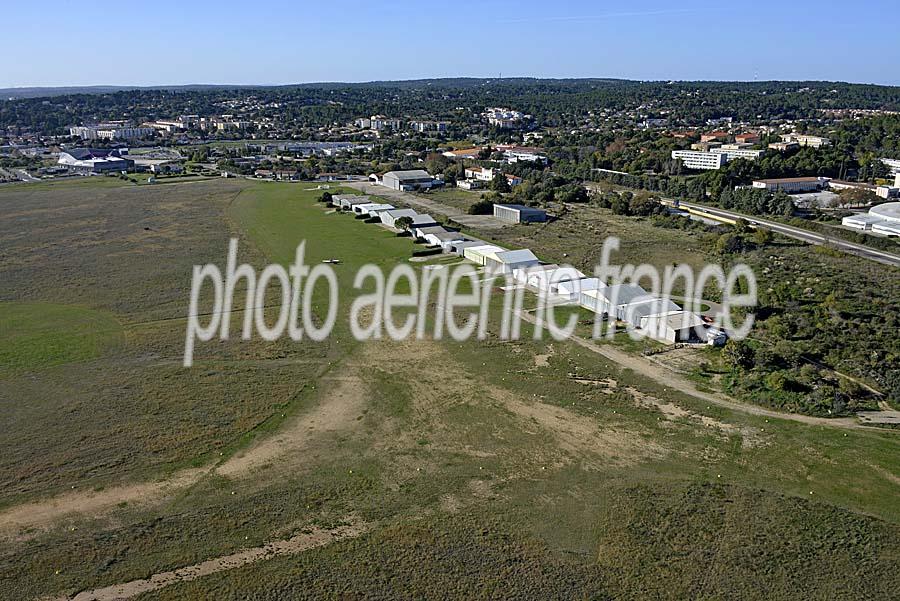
(801, 234)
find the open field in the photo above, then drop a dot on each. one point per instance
(440, 468)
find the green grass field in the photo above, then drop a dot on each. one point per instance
(529, 468)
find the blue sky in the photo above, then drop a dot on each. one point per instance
(276, 42)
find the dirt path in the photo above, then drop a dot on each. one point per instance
(337, 410)
(44, 512)
(671, 379)
(302, 542)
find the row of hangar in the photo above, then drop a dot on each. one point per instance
(658, 318)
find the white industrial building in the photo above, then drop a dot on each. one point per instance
(478, 254)
(548, 281)
(572, 290)
(695, 159)
(414, 179)
(93, 160)
(420, 231)
(372, 208)
(389, 218)
(676, 327)
(445, 240)
(881, 219)
(792, 185)
(460, 246)
(513, 213)
(642, 307)
(506, 261)
(610, 299)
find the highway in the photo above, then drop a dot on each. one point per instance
(797, 233)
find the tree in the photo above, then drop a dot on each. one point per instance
(482, 207)
(499, 183)
(738, 353)
(325, 197)
(762, 236)
(403, 223)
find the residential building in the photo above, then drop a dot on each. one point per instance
(693, 159)
(109, 131)
(514, 154)
(784, 146)
(747, 138)
(806, 140)
(423, 126)
(894, 166)
(714, 136)
(792, 185)
(733, 151)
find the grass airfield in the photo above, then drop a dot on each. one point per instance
(441, 469)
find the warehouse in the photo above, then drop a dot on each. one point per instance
(641, 307)
(345, 200)
(389, 218)
(572, 290)
(460, 247)
(791, 185)
(477, 254)
(676, 327)
(422, 231)
(549, 280)
(507, 261)
(445, 240)
(93, 160)
(522, 274)
(610, 299)
(371, 208)
(408, 181)
(422, 220)
(511, 213)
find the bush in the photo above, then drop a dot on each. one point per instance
(427, 252)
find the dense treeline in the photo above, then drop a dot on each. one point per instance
(563, 102)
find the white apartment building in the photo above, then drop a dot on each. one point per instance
(694, 159)
(893, 165)
(732, 153)
(806, 140)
